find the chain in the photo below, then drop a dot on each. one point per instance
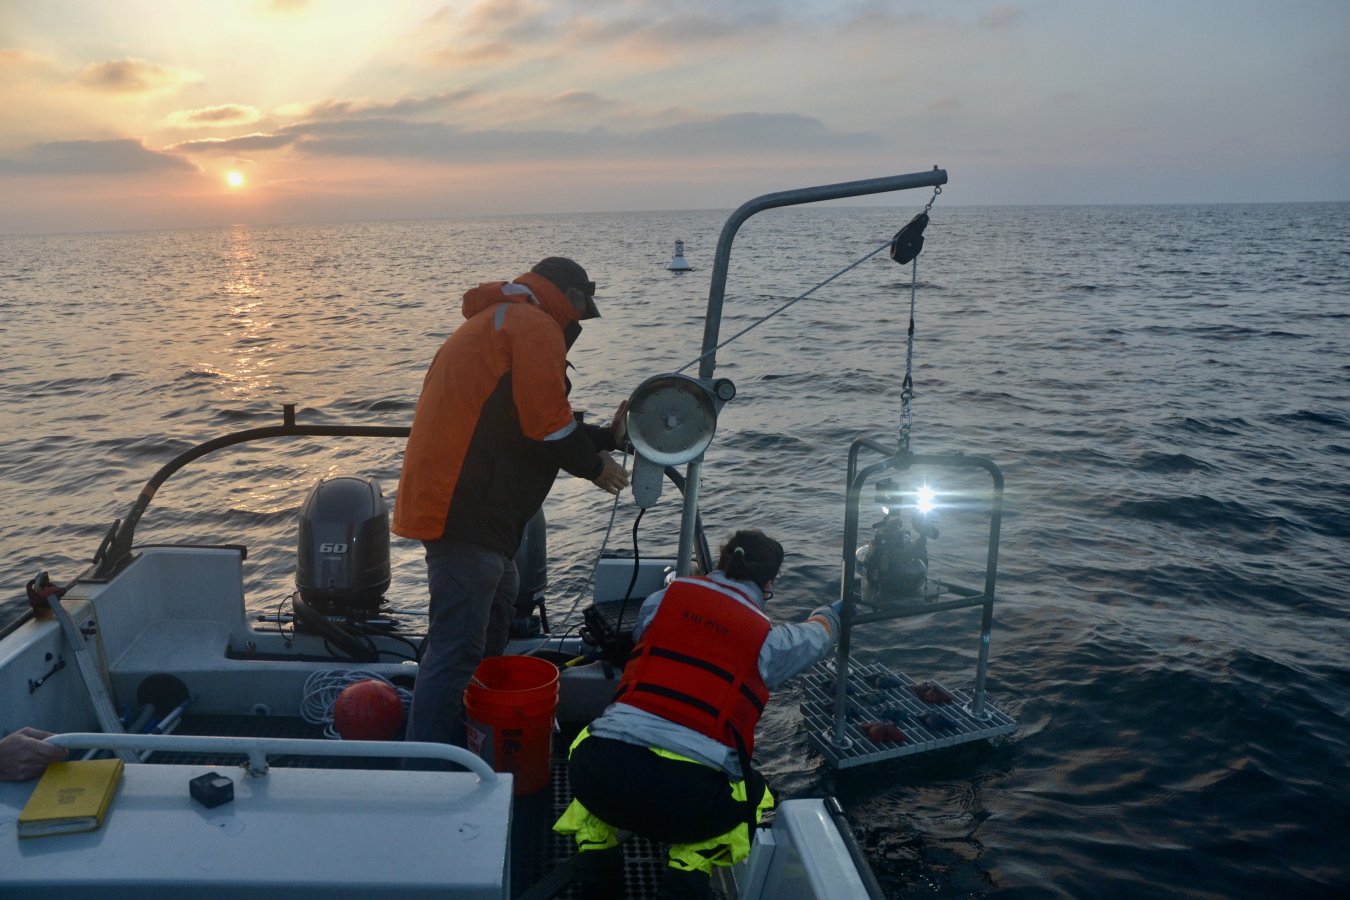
(937, 189)
(907, 387)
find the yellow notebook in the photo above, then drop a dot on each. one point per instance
(71, 797)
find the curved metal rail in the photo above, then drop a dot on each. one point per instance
(712, 323)
(115, 551)
(258, 749)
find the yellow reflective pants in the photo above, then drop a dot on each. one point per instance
(592, 833)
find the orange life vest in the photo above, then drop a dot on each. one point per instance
(697, 664)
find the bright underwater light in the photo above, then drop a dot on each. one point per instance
(926, 498)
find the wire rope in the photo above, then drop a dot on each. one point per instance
(323, 687)
(753, 325)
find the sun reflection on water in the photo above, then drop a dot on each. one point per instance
(249, 353)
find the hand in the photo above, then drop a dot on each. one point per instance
(614, 478)
(24, 754)
(619, 425)
(838, 607)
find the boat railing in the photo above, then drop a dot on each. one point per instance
(115, 550)
(258, 749)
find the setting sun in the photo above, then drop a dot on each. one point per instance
(235, 179)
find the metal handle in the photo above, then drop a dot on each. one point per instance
(257, 749)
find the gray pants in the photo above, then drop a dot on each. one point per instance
(473, 592)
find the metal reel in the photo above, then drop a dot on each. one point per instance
(671, 420)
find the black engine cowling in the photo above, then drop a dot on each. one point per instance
(531, 561)
(342, 560)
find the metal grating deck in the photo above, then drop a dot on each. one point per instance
(818, 711)
(537, 849)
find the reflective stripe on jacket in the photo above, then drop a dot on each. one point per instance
(493, 424)
(697, 663)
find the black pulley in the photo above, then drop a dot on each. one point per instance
(908, 241)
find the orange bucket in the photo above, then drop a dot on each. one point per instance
(510, 706)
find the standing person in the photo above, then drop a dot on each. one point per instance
(492, 429)
(670, 759)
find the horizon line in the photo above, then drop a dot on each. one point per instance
(622, 212)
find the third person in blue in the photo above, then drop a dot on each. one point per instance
(670, 758)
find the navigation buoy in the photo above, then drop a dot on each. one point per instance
(679, 263)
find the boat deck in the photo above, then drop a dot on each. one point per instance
(536, 849)
(818, 710)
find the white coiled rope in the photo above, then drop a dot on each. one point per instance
(323, 687)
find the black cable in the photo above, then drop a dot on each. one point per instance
(377, 632)
(637, 560)
(281, 604)
(623, 608)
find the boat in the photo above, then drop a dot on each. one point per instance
(160, 633)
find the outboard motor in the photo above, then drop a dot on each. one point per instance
(342, 561)
(531, 561)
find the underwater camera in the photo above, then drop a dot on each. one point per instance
(895, 563)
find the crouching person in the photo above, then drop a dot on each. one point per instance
(670, 759)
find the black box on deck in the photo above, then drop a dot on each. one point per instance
(211, 790)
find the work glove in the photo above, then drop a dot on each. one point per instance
(838, 607)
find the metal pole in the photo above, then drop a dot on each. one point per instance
(986, 627)
(722, 260)
(689, 516)
(712, 323)
(851, 515)
(990, 574)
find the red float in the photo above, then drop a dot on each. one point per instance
(368, 711)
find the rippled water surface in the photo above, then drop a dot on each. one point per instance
(1167, 390)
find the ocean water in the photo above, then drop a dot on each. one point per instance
(1166, 388)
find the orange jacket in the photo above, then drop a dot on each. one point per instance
(493, 424)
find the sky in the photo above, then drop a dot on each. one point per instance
(136, 113)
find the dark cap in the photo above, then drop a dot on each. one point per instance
(566, 273)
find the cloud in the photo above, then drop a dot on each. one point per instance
(481, 54)
(124, 156)
(286, 6)
(213, 116)
(404, 106)
(639, 31)
(364, 135)
(655, 35)
(1000, 18)
(15, 59)
(248, 143)
(133, 76)
(511, 20)
(943, 105)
